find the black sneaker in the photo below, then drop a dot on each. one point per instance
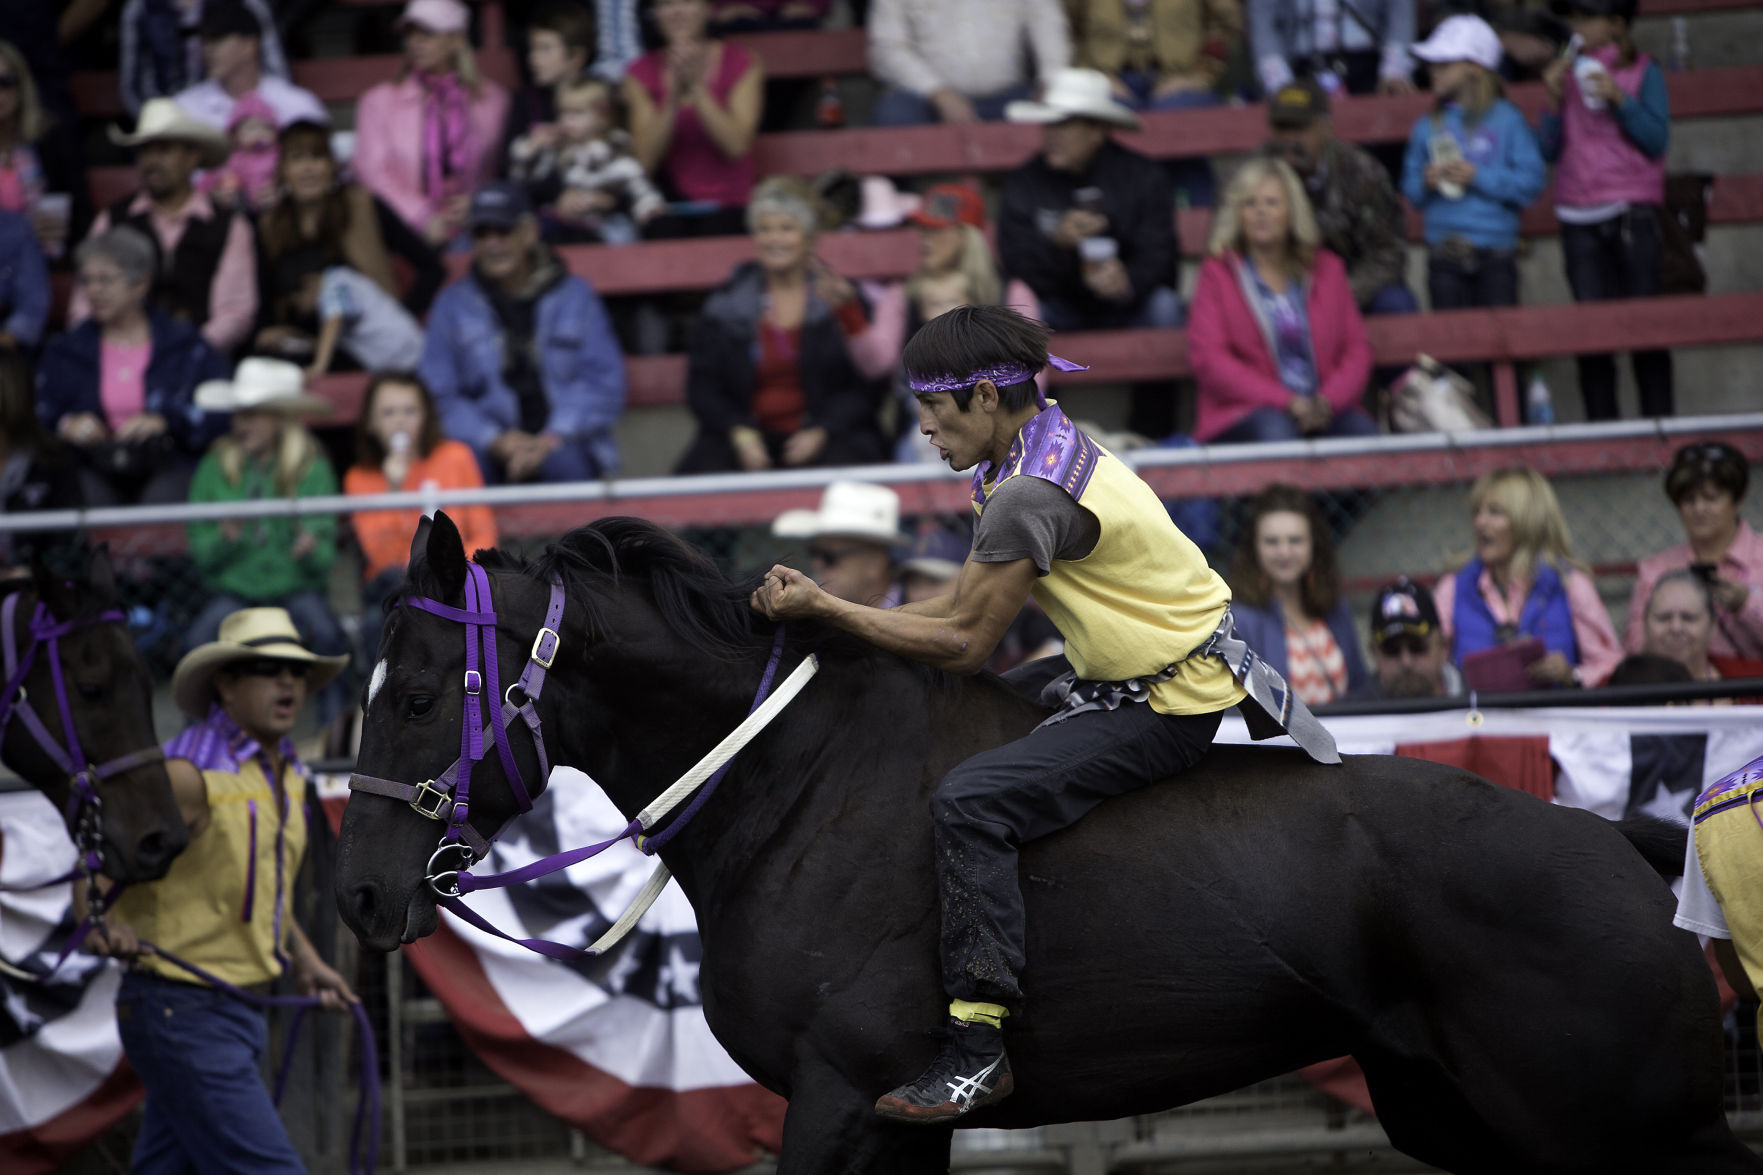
(971, 1071)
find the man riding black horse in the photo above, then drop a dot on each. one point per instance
(1148, 635)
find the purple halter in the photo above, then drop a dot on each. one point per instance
(84, 805)
(447, 798)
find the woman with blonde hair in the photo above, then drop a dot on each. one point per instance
(34, 163)
(1274, 335)
(772, 377)
(1523, 582)
(282, 560)
(427, 140)
(955, 268)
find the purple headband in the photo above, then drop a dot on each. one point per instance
(1003, 375)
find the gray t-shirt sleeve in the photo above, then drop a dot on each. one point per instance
(1031, 518)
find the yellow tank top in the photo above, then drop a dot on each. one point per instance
(1142, 600)
(224, 903)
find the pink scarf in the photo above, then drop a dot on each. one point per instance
(448, 152)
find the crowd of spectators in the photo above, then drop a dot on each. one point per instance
(259, 231)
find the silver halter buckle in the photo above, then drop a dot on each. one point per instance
(435, 808)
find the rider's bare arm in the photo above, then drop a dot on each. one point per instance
(986, 599)
(190, 792)
(935, 606)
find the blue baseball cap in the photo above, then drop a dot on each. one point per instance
(498, 205)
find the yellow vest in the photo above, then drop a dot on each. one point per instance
(1729, 849)
(201, 910)
(1142, 600)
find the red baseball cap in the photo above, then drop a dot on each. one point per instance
(947, 204)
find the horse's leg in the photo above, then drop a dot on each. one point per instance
(1428, 1118)
(831, 1129)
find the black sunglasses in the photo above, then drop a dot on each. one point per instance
(832, 556)
(270, 667)
(1414, 646)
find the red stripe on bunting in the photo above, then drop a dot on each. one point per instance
(1515, 761)
(47, 1146)
(720, 1129)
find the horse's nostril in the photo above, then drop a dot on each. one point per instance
(366, 897)
(154, 849)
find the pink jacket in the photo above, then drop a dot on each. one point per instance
(389, 137)
(1233, 362)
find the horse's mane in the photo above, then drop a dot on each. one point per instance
(696, 599)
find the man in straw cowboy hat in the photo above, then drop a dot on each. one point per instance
(1088, 223)
(281, 559)
(224, 906)
(853, 538)
(1153, 662)
(208, 260)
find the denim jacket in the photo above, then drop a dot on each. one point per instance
(583, 369)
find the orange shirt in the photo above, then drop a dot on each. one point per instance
(385, 535)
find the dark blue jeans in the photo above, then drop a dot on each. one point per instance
(904, 108)
(198, 1054)
(1618, 258)
(1276, 424)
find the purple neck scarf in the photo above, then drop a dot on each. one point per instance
(1049, 446)
(448, 152)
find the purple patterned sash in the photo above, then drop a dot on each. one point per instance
(1049, 446)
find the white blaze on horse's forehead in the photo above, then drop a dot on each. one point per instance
(375, 682)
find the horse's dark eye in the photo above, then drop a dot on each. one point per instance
(89, 692)
(420, 705)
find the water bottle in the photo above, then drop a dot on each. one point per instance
(1680, 43)
(829, 112)
(1539, 406)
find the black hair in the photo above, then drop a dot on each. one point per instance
(969, 338)
(1649, 669)
(1712, 463)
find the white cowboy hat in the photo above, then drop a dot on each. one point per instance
(246, 635)
(848, 509)
(163, 120)
(437, 16)
(262, 385)
(884, 206)
(1074, 93)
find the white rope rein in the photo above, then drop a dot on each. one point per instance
(670, 799)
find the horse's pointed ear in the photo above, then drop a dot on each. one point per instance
(419, 545)
(101, 573)
(52, 589)
(446, 556)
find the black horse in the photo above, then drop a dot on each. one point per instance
(107, 687)
(1505, 971)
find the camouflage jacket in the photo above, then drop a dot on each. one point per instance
(1361, 218)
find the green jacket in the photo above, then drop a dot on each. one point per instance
(257, 565)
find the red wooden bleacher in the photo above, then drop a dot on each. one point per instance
(993, 147)
(1502, 337)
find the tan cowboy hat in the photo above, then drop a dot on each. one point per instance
(246, 635)
(163, 120)
(849, 510)
(1074, 93)
(262, 385)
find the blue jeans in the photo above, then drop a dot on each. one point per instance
(198, 1053)
(570, 461)
(1163, 308)
(1276, 424)
(904, 108)
(1193, 176)
(1395, 298)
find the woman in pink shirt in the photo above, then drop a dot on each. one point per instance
(425, 142)
(1274, 334)
(1523, 582)
(1706, 482)
(694, 112)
